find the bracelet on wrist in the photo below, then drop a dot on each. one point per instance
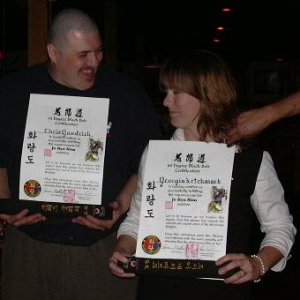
(262, 267)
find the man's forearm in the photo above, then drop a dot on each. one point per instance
(287, 107)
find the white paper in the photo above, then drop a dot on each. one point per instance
(63, 149)
(185, 200)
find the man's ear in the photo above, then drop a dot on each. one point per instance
(52, 52)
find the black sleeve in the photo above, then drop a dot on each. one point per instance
(146, 124)
(3, 126)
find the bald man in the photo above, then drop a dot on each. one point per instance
(45, 258)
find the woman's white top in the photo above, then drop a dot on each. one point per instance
(267, 202)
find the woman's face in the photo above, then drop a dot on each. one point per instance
(184, 109)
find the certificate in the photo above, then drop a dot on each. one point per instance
(185, 201)
(63, 150)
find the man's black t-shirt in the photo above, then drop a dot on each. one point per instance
(132, 122)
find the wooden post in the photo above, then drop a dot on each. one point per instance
(38, 11)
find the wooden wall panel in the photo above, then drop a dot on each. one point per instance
(38, 15)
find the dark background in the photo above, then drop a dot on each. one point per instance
(254, 30)
(261, 43)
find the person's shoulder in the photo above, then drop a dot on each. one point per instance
(13, 77)
(22, 76)
(250, 152)
(117, 78)
(244, 148)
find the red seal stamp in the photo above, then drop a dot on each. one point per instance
(69, 195)
(151, 244)
(191, 250)
(32, 188)
(48, 152)
(169, 205)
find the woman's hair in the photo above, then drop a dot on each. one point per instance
(205, 76)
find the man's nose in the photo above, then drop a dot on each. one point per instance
(94, 60)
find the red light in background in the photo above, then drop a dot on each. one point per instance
(217, 41)
(227, 10)
(220, 28)
(280, 59)
(2, 55)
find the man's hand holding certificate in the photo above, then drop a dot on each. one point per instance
(63, 156)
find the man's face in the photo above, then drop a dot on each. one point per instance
(75, 62)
